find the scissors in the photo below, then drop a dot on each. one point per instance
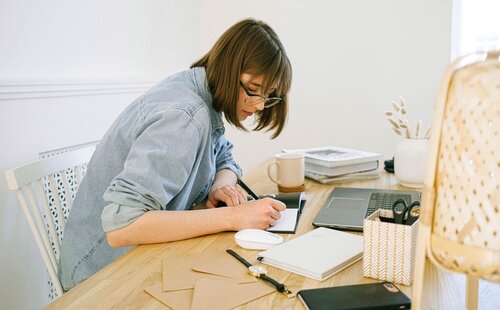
(402, 212)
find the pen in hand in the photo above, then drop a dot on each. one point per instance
(247, 189)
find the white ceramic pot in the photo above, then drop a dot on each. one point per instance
(410, 162)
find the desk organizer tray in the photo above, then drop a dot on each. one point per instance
(388, 249)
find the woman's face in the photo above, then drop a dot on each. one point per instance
(254, 86)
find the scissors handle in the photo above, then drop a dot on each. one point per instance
(410, 218)
(399, 211)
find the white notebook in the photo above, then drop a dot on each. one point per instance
(318, 254)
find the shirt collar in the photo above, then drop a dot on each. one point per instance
(200, 79)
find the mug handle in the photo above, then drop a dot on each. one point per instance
(270, 174)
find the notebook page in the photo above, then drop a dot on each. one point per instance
(287, 221)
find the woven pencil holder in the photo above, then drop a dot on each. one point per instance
(388, 249)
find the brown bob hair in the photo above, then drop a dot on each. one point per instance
(250, 46)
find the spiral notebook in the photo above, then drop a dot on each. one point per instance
(318, 254)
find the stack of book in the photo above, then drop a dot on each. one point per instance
(330, 164)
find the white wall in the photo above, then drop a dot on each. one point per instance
(350, 59)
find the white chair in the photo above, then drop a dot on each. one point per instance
(45, 190)
(460, 218)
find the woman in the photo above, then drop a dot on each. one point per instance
(166, 152)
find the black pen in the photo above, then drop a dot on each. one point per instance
(247, 189)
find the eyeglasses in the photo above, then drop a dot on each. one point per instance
(255, 99)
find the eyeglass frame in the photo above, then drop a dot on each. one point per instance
(274, 100)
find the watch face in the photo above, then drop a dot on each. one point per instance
(257, 270)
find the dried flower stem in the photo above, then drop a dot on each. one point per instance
(417, 130)
(428, 133)
(401, 125)
(396, 130)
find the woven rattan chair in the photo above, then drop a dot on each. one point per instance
(45, 190)
(460, 218)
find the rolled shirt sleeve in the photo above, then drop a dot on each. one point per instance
(115, 216)
(225, 158)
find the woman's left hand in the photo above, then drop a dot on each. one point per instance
(230, 195)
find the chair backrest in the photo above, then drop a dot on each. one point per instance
(461, 192)
(45, 190)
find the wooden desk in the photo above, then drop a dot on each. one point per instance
(121, 284)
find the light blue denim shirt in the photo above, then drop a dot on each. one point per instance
(161, 153)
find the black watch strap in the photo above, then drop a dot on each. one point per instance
(279, 286)
(241, 259)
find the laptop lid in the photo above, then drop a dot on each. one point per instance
(347, 207)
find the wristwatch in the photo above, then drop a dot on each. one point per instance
(261, 273)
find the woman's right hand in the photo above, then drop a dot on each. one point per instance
(260, 214)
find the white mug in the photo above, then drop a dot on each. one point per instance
(287, 170)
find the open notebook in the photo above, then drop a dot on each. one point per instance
(289, 220)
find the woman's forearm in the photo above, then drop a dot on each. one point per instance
(164, 226)
(224, 177)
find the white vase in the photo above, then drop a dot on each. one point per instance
(410, 161)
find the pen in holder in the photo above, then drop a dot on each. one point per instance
(388, 248)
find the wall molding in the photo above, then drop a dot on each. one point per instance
(27, 90)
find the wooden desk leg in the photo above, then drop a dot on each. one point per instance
(471, 292)
(418, 283)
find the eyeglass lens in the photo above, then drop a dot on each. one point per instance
(255, 99)
(268, 102)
